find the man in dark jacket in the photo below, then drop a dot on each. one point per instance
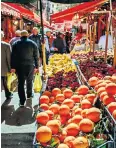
(36, 37)
(24, 59)
(58, 44)
(5, 65)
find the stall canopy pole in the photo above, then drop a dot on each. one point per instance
(114, 63)
(106, 46)
(43, 42)
(42, 30)
(114, 47)
(87, 28)
(111, 16)
(94, 37)
(90, 35)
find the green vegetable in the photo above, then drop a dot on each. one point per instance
(98, 142)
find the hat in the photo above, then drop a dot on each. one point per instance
(24, 33)
(47, 30)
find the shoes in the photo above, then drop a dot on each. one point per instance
(29, 103)
(21, 106)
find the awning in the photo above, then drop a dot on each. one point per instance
(8, 10)
(23, 11)
(68, 14)
(18, 10)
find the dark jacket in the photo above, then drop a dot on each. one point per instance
(37, 40)
(24, 52)
(5, 58)
(59, 44)
(68, 40)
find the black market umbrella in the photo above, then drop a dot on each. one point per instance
(19, 1)
(69, 1)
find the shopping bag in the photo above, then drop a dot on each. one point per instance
(14, 85)
(37, 83)
(11, 81)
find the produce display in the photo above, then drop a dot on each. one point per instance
(61, 73)
(69, 119)
(106, 91)
(98, 69)
(58, 63)
(83, 55)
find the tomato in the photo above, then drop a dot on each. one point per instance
(101, 136)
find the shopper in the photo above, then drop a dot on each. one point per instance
(47, 44)
(24, 59)
(58, 44)
(68, 41)
(102, 42)
(36, 37)
(5, 65)
(63, 37)
(17, 37)
(51, 39)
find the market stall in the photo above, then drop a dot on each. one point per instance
(70, 107)
(67, 15)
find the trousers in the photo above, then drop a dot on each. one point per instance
(7, 92)
(25, 73)
(47, 57)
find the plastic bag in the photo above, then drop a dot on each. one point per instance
(12, 81)
(37, 83)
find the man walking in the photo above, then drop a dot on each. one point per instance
(17, 37)
(36, 37)
(47, 44)
(5, 65)
(24, 59)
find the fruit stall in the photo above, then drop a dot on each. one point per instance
(76, 110)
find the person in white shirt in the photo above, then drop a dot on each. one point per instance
(102, 42)
(47, 44)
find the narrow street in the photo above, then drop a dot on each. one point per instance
(17, 124)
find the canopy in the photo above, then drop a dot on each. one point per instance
(23, 11)
(8, 10)
(18, 11)
(68, 14)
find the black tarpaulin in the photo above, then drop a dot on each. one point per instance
(55, 1)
